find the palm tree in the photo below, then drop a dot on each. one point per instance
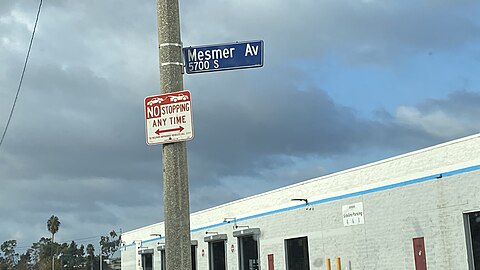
(53, 224)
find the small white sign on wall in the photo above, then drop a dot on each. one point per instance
(353, 214)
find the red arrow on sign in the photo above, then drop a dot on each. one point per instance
(179, 129)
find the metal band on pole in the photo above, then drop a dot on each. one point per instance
(170, 44)
(172, 63)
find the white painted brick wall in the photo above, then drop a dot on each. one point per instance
(432, 209)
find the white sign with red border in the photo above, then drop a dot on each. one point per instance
(168, 118)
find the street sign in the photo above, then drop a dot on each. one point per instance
(168, 118)
(218, 57)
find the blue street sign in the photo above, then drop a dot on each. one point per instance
(223, 56)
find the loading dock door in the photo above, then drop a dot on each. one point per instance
(217, 259)
(472, 233)
(217, 255)
(248, 248)
(147, 258)
(297, 254)
(194, 257)
(419, 253)
(147, 261)
(248, 253)
(163, 258)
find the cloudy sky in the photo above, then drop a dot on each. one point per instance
(344, 83)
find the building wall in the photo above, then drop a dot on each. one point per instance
(419, 194)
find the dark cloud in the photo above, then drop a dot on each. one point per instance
(242, 131)
(362, 32)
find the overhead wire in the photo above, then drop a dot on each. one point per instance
(23, 74)
(77, 240)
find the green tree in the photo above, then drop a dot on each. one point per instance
(91, 256)
(3, 264)
(53, 225)
(109, 244)
(39, 252)
(10, 257)
(23, 263)
(72, 256)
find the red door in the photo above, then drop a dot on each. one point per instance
(270, 262)
(419, 253)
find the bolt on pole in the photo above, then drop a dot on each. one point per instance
(174, 155)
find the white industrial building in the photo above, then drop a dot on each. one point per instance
(420, 210)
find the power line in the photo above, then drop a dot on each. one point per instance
(77, 240)
(23, 74)
(83, 240)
